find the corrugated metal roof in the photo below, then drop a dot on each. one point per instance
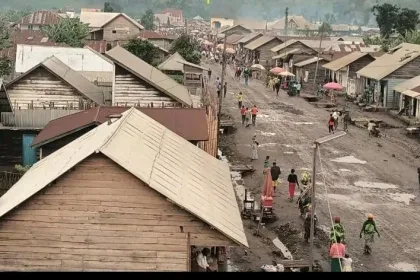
(344, 61)
(184, 62)
(190, 124)
(74, 79)
(388, 63)
(313, 44)
(236, 25)
(411, 93)
(169, 164)
(308, 61)
(282, 55)
(101, 46)
(40, 18)
(248, 38)
(100, 19)
(233, 39)
(172, 63)
(260, 42)
(150, 34)
(408, 85)
(150, 74)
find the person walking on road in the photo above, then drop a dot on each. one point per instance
(293, 181)
(337, 230)
(337, 253)
(240, 100)
(298, 88)
(246, 75)
(254, 112)
(369, 229)
(277, 87)
(243, 112)
(225, 90)
(266, 164)
(218, 85)
(254, 146)
(346, 121)
(275, 174)
(247, 117)
(209, 73)
(335, 115)
(331, 124)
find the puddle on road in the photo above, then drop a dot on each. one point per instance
(373, 185)
(404, 267)
(269, 134)
(349, 159)
(402, 197)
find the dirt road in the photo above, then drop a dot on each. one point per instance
(368, 175)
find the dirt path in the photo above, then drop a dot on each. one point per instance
(383, 185)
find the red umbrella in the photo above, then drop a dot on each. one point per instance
(333, 86)
(277, 70)
(268, 189)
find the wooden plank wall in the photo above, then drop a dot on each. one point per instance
(131, 91)
(36, 118)
(124, 28)
(100, 217)
(211, 103)
(408, 71)
(41, 89)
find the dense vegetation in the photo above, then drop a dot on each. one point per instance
(344, 11)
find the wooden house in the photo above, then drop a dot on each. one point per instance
(258, 51)
(160, 40)
(236, 30)
(37, 20)
(305, 71)
(110, 26)
(138, 84)
(409, 103)
(382, 75)
(293, 51)
(246, 40)
(232, 41)
(130, 195)
(52, 84)
(344, 69)
(190, 124)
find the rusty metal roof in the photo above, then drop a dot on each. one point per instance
(183, 173)
(71, 77)
(190, 124)
(40, 18)
(150, 34)
(150, 75)
(233, 39)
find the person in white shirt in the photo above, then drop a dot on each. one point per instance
(202, 260)
(335, 116)
(346, 263)
(373, 131)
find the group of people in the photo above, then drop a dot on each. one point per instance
(249, 115)
(334, 120)
(219, 86)
(245, 72)
(340, 261)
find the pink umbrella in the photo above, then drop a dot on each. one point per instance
(277, 70)
(333, 86)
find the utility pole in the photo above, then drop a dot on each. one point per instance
(286, 21)
(319, 53)
(219, 115)
(317, 143)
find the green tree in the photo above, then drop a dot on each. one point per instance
(411, 37)
(407, 21)
(5, 62)
(15, 15)
(147, 20)
(68, 31)
(144, 50)
(325, 28)
(386, 17)
(188, 48)
(112, 7)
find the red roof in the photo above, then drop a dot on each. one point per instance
(26, 37)
(149, 34)
(191, 124)
(40, 18)
(173, 12)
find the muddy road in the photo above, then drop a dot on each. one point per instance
(356, 175)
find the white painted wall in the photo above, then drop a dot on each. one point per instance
(78, 59)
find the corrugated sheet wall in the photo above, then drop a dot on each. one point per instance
(131, 91)
(33, 118)
(211, 102)
(393, 98)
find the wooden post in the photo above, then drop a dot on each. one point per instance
(189, 252)
(221, 92)
(311, 248)
(317, 61)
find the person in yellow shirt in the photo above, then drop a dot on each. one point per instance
(240, 100)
